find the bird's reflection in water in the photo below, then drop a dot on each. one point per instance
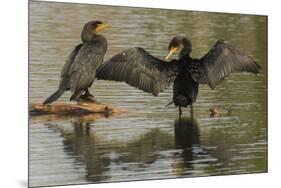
(186, 138)
(88, 147)
(103, 159)
(83, 145)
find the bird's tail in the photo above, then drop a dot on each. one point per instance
(54, 96)
(181, 100)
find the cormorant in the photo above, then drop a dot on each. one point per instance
(138, 68)
(79, 71)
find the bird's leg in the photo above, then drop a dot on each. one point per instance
(191, 111)
(180, 112)
(76, 95)
(87, 129)
(87, 93)
(87, 96)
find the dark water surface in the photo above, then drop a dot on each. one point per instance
(149, 143)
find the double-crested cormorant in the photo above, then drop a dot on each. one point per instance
(79, 71)
(138, 68)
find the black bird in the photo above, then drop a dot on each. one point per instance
(79, 71)
(138, 68)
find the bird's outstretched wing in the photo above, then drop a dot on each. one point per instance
(138, 68)
(222, 60)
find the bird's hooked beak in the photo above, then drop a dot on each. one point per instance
(102, 26)
(172, 50)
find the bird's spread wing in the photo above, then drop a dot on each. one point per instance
(222, 60)
(138, 68)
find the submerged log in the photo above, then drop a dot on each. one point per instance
(81, 108)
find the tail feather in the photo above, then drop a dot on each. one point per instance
(181, 100)
(54, 96)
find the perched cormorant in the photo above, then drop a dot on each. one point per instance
(138, 68)
(79, 71)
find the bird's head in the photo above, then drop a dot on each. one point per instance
(179, 43)
(91, 28)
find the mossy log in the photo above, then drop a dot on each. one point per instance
(73, 109)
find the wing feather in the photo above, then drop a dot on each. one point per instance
(138, 68)
(70, 60)
(83, 71)
(222, 60)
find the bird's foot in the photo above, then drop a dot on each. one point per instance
(88, 94)
(87, 98)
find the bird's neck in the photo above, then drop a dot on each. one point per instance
(87, 37)
(98, 41)
(185, 52)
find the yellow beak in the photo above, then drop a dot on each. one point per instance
(101, 27)
(172, 50)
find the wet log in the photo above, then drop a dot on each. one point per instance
(81, 108)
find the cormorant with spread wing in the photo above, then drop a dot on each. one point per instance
(138, 68)
(79, 71)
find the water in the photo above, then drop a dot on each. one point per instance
(148, 143)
